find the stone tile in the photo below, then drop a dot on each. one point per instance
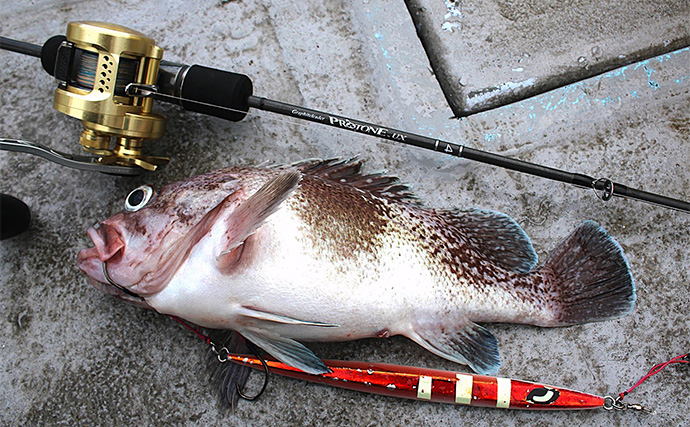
(489, 53)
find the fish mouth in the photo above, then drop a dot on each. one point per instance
(109, 246)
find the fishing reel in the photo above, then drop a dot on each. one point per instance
(93, 65)
(108, 77)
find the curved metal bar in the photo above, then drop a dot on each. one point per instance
(85, 163)
(120, 287)
(254, 350)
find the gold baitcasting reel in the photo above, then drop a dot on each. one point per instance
(94, 65)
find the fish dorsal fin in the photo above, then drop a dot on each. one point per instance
(252, 213)
(494, 235)
(348, 172)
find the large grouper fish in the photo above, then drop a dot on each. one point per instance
(319, 251)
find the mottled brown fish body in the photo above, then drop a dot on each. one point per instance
(317, 251)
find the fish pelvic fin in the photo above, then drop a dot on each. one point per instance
(491, 235)
(465, 342)
(589, 278)
(252, 213)
(286, 350)
(260, 317)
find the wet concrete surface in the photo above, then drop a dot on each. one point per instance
(71, 355)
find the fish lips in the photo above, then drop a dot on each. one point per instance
(107, 245)
(108, 241)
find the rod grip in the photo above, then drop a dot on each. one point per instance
(216, 92)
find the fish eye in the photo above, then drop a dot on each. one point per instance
(138, 198)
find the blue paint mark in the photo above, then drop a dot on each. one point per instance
(378, 36)
(682, 79)
(610, 100)
(491, 137)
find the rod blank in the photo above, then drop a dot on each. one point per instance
(604, 186)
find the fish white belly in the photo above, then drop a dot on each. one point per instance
(367, 294)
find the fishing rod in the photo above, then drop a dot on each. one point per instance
(109, 75)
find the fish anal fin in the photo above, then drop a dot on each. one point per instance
(286, 350)
(494, 235)
(464, 342)
(251, 214)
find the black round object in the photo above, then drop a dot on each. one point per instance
(135, 197)
(49, 53)
(15, 216)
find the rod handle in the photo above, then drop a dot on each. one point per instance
(218, 93)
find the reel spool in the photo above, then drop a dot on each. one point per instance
(94, 64)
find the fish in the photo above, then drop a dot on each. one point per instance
(318, 250)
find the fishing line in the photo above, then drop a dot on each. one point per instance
(683, 358)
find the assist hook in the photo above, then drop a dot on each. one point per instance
(120, 287)
(255, 351)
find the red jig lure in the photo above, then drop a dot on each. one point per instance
(434, 385)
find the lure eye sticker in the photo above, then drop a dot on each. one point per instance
(543, 396)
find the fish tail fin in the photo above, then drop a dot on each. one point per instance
(589, 278)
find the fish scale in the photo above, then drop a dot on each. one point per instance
(319, 251)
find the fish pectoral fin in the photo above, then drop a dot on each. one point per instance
(265, 316)
(251, 214)
(469, 344)
(286, 350)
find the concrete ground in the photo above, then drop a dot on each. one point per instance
(73, 356)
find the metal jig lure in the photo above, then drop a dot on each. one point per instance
(433, 385)
(440, 386)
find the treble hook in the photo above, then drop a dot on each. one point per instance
(255, 351)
